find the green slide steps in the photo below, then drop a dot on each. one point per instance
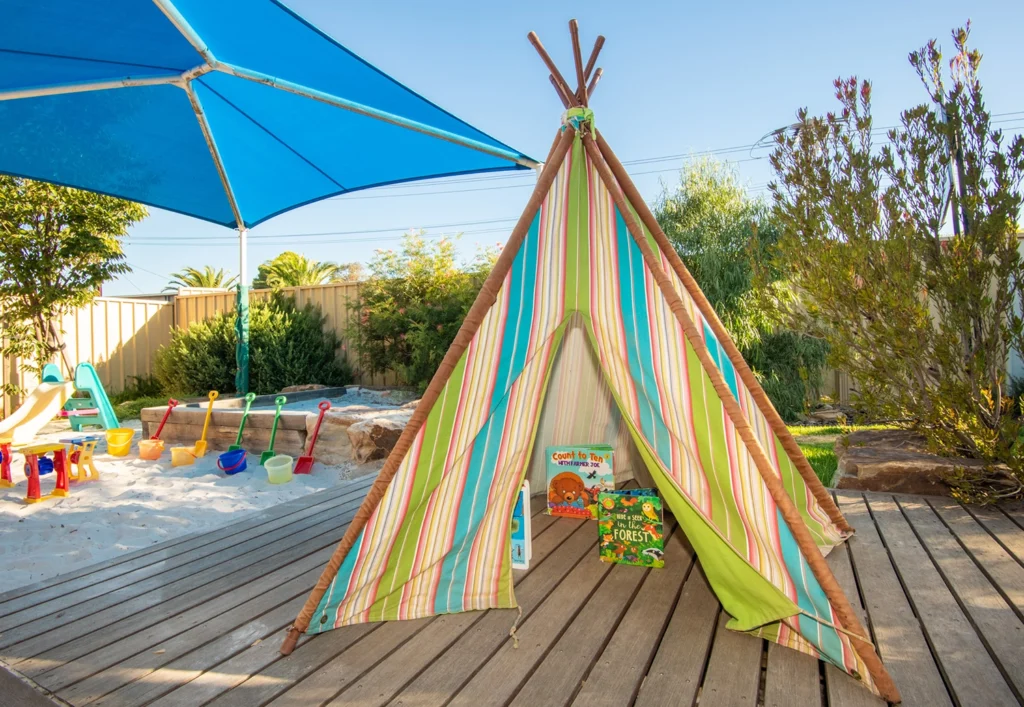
(88, 381)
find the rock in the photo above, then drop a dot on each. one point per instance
(375, 438)
(301, 388)
(827, 415)
(896, 461)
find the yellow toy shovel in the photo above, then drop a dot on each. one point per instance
(200, 449)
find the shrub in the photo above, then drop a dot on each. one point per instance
(287, 346)
(412, 306)
(923, 319)
(723, 235)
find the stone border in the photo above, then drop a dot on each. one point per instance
(268, 400)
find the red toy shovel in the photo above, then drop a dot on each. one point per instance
(304, 464)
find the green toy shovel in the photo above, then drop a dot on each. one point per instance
(279, 401)
(241, 426)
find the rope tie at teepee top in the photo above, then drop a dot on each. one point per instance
(580, 118)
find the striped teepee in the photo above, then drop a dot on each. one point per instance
(587, 268)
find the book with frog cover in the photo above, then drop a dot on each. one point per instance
(576, 474)
(630, 527)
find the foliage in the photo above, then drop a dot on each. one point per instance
(722, 235)
(412, 305)
(57, 248)
(288, 346)
(290, 269)
(924, 320)
(822, 458)
(208, 277)
(138, 387)
(130, 408)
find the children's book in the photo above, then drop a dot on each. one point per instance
(630, 527)
(576, 475)
(522, 537)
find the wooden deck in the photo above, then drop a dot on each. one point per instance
(198, 621)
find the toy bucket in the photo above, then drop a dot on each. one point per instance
(151, 449)
(232, 462)
(119, 441)
(182, 456)
(279, 469)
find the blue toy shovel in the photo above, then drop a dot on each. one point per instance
(279, 401)
(241, 426)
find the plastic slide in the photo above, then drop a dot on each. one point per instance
(88, 381)
(42, 405)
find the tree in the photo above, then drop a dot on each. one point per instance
(208, 277)
(923, 319)
(723, 236)
(289, 269)
(412, 305)
(57, 248)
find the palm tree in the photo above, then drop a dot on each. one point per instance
(208, 277)
(290, 269)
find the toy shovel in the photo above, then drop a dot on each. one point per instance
(279, 401)
(200, 449)
(171, 404)
(241, 425)
(304, 464)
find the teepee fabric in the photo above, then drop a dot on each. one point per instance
(438, 540)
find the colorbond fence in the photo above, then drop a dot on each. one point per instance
(118, 336)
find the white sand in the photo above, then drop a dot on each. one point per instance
(384, 399)
(135, 503)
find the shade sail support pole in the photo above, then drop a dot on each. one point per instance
(370, 112)
(181, 24)
(242, 315)
(242, 303)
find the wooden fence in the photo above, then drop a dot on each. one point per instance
(118, 336)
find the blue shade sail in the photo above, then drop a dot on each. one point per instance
(265, 84)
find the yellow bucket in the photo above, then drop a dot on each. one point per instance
(279, 469)
(151, 449)
(119, 441)
(182, 456)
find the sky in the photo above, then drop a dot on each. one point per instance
(681, 78)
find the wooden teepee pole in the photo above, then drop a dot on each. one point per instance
(788, 510)
(484, 301)
(775, 421)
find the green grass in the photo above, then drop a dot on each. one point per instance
(129, 409)
(823, 460)
(822, 430)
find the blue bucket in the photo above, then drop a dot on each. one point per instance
(232, 462)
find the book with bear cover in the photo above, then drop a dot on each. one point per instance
(576, 474)
(630, 527)
(521, 536)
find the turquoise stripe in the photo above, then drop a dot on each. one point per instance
(811, 598)
(515, 344)
(721, 360)
(327, 610)
(635, 313)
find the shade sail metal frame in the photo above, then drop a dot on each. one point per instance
(211, 64)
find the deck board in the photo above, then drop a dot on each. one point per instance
(199, 620)
(899, 639)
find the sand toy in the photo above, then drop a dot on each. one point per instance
(279, 401)
(241, 425)
(153, 447)
(199, 450)
(305, 463)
